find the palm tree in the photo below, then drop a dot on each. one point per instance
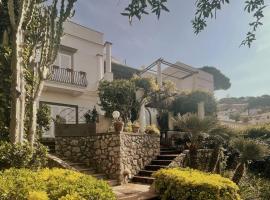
(191, 123)
(249, 150)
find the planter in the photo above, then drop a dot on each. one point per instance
(135, 129)
(118, 126)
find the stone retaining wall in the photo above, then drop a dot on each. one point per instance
(204, 157)
(137, 151)
(114, 154)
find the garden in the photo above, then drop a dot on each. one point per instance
(239, 165)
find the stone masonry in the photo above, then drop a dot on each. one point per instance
(137, 151)
(115, 154)
(204, 157)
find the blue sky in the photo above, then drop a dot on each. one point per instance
(172, 38)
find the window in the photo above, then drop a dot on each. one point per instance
(64, 60)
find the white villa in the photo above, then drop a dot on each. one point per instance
(83, 60)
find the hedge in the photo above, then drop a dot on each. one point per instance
(186, 184)
(51, 184)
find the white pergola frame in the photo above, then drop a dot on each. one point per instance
(159, 74)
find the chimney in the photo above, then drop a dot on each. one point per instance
(108, 71)
(100, 65)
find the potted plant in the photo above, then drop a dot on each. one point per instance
(152, 130)
(135, 127)
(128, 127)
(118, 123)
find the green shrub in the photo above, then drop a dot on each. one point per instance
(185, 184)
(253, 187)
(188, 103)
(53, 184)
(22, 156)
(152, 130)
(258, 132)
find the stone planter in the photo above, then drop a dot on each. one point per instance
(118, 126)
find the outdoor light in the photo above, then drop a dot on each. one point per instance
(116, 114)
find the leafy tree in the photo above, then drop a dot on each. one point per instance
(205, 9)
(259, 102)
(35, 27)
(118, 95)
(249, 150)
(221, 82)
(188, 103)
(235, 116)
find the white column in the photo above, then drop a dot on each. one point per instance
(142, 118)
(201, 111)
(100, 65)
(108, 47)
(108, 71)
(170, 121)
(159, 74)
(194, 81)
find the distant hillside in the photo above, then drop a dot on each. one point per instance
(252, 102)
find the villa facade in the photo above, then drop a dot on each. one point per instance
(84, 59)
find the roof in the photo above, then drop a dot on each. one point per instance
(121, 71)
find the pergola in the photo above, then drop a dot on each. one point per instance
(177, 71)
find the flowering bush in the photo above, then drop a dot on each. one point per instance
(184, 184)
(152, 129)
(53, 184)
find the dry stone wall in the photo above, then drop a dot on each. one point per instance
(204, 157)
(115, 154)
(137, 151)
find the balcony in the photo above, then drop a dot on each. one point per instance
(67, 76)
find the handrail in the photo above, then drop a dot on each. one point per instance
(68, 76)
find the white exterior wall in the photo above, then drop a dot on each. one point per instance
(86, 44)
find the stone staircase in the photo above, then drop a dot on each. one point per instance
(166, 156)
(83, 168)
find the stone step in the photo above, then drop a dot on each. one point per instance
(154, 167)
(167, 156)
(161, 162)
(82, 168)
(168, 152)
(167, 149)
(146, 173)
(143, 179)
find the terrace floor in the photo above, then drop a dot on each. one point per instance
(133, 191)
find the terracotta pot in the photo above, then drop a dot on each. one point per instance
(118, 126)
(135, 129)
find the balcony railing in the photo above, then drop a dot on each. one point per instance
(67, 76)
